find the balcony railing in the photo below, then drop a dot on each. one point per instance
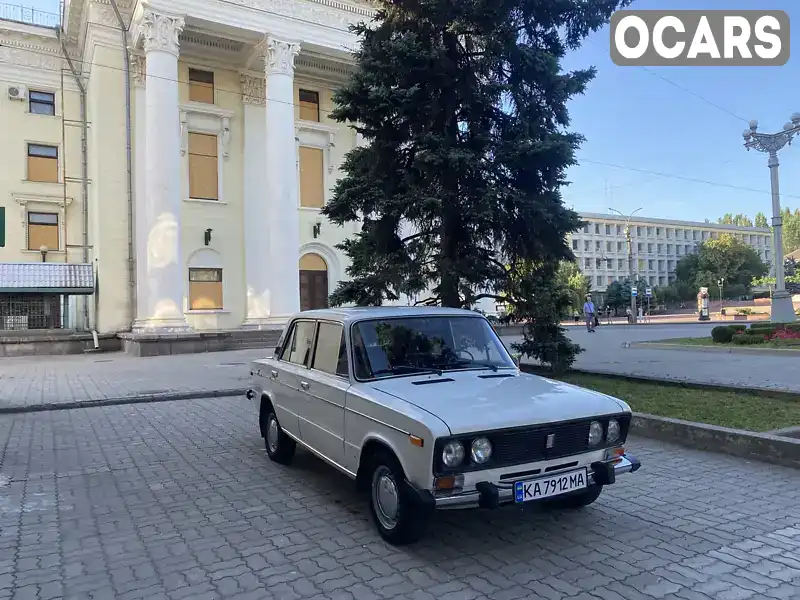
(28, 15)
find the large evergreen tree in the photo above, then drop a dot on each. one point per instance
(462, 104)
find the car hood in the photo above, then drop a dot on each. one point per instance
(474, 402)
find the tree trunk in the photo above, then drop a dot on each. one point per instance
(449, 260)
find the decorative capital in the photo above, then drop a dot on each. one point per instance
(254, 90)
(160, 32)
(279, 56)
(138, 70)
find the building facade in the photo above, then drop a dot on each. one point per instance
(601, 247)
(186, 159)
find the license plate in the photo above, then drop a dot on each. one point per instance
(525, 491)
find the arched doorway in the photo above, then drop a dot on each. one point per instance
(313, 282)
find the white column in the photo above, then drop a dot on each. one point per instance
(256, 211)
(165, 278)
(138, 73)
(283, 224)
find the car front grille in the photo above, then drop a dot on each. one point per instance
(523, 445)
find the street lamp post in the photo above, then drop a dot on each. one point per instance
(771, 144)
(630, 257)
(720, 283)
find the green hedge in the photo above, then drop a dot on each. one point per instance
(762, 331)
(748, 340)
(722, 334)
(737, 328)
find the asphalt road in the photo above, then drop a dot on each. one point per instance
(178, 500)
(605, 351)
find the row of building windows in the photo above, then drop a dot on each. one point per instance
(662, 280)
(640, 247)
(201, 89)
(667, 233)
(205, 285)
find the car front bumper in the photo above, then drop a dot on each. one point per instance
(491, 495)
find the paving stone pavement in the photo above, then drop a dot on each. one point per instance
(178, 500)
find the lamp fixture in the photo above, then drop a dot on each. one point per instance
(207, 236)
(44, 250)
(317, 229)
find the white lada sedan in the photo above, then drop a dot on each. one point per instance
(426, 409)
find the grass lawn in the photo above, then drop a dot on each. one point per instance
(788, 345)
(703, 341)
(737, 410)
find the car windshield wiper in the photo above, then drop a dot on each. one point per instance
(470, 365)
(403, 369)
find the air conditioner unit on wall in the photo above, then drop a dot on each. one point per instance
(17, 92)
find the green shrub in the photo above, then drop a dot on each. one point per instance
(793, 326)
(748, 340)
(737, 328)
(761, 331)
(722, 334)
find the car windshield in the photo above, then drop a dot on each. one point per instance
(404, 346)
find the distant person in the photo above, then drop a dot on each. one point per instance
(608, 314)
(629, 314)
(576, 317)
(589, 313)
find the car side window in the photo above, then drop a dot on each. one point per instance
(327, 352)
(342, 369)
(298, 350)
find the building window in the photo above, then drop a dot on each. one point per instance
(586, 228)
(203, 167)
(669, 248)
(574, 244)
(42, 231)
(587, 263)
(597, 246)
(608, 229)
(597, 228)
(640, 247)
(309, 105)
(638, 231)
(42, 103)
(205, 289)
(599, 280)
(312, 188)
(201, 86)
(619, 246)
(587, 245)
(620, 263)
(610, 246)
(42, 163)
(619, 229)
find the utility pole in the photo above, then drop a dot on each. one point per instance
(630, 257)
(770, 143)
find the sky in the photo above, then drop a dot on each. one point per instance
(684, 122)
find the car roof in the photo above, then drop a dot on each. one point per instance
(360, 313)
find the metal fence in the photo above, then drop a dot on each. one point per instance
(28, 15)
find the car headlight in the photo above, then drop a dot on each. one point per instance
(453, 454)
(595, 433)
(613, 431)
(481, 450)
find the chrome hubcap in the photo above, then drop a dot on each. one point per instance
(272, 434)
(385, 497)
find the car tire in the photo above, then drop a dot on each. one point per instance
(391, 504)
(280, 447)
(578, 499)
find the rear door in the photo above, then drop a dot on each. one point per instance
(292, 364)
(322, 413)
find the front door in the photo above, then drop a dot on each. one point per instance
(322, 412)
(313, 290)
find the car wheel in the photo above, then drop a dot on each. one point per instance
(280, 447)
(578, 499)
(391, 506)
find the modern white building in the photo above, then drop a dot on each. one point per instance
(658, 244)
(184, 150)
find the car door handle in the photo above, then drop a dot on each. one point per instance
(274, 374)
(304, 385)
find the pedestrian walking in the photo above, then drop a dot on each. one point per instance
(589, 313)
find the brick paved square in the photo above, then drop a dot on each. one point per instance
(178, 500)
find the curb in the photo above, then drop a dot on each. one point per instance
(759, 391)
(143, 399)
(718, 349)
(764, 447)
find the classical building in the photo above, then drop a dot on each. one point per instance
(166, 165)
(657, 245)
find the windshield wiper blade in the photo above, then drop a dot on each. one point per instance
(400, 369)
(466, 364)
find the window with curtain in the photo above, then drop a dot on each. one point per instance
(42, 231)
(309, 105)
(312, 187)
(42, 163)
(203, 167)
(205, 289)
(201, 86)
